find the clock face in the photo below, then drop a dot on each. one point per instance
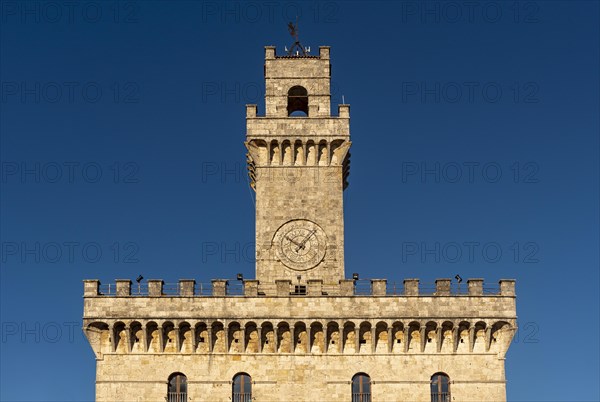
(300, 244)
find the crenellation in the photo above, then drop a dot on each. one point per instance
(475, 287)
(315, 287)
(347, 287)
(219, 287)
(187, 287)
(324, 52)
(442, 287)
(251, 287)
(270, 52)
(411, 287)
(283, 287)
(251, 111)
(155, 287)
(507, 287)
(91, 287)
(378, 287)
(287, 304)
(123, 287)
(343, 111)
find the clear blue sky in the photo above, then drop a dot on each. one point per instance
(122, 134)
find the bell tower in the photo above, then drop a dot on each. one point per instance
(298, 162)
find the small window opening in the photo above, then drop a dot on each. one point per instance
(300, 289)
(297, 102)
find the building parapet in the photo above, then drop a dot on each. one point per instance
(285, 288)
(271, 54)
(282, 127)
(353, 316)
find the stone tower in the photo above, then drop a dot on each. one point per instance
(298, 159)
(301, 330)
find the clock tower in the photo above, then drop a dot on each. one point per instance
(298, 162)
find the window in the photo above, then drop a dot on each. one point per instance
(297, 102)
(361, 388)
(242, 388)
(177, 388)
(299, 289)
(440, 387)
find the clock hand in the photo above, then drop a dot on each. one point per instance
(301, 245)
(292, 240)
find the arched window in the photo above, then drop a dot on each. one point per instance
(297, 102)
(440, 387)
(242, 388)
(361, 388)
(177, 388)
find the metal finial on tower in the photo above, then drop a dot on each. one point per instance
(296, 47)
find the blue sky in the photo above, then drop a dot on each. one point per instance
(474, 127)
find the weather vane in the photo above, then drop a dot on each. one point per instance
(296, 49)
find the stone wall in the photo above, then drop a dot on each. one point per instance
(301, 377)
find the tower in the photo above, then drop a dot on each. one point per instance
(298, 161)
(300, 330)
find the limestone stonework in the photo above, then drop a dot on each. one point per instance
(301, 330)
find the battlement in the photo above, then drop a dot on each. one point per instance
(372, 317)
(286, 288)
(271, 54)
